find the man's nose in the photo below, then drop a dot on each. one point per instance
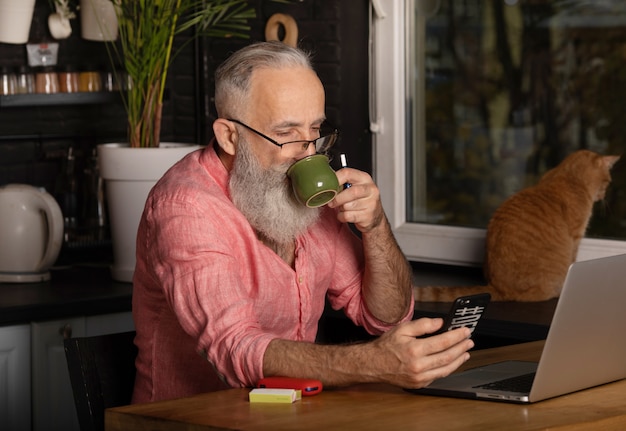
(310, 150)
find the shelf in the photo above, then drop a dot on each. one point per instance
(23, 100)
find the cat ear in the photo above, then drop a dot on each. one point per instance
(609, 161)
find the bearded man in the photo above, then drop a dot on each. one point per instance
(232, 272)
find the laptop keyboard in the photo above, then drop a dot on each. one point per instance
(521, 383)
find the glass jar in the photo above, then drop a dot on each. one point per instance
(25, 80)
(90, 80)
(113, 80)
(8, 82)
(46, 81)
(68, 79)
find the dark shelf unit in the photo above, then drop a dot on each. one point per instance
(26, 100)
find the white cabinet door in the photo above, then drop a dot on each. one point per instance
(53, 401)
(15, 378)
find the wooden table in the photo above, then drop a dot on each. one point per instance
(382, 407)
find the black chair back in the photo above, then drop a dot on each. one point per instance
(102, 373)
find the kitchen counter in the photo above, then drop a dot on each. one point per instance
(85, 290)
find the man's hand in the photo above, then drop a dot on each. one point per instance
(413, 362)
(360, 204)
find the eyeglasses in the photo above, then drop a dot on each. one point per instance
(294, 148)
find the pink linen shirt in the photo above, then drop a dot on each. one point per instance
(208, 296)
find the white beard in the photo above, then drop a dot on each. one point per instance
(265, 198)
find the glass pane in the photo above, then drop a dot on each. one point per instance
(501, 91)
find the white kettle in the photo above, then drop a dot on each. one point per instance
(31, 233)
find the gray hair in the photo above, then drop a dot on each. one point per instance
(232, 78)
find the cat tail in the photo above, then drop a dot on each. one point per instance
(449, 293)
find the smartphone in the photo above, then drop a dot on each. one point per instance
(308, 387)
(466, 311)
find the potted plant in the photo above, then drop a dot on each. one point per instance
(146, 40)
(146, 33)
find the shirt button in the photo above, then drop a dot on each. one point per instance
(300, 279)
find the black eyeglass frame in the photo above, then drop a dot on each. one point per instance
(305, 143)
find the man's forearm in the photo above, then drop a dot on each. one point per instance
(398, 357)
(334, 365)
(387, 279)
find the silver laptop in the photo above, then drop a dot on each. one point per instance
(585, 347)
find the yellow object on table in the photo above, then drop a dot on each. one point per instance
(265, 395)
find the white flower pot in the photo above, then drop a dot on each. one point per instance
(129, 175)
(98, 20)
(15, 19)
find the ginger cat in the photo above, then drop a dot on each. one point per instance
(533, 237)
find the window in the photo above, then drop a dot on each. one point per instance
(473, 100)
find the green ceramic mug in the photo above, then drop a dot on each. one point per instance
(313, 180)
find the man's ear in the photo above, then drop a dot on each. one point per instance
(226, 135)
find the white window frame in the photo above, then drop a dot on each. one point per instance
(419, 242)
